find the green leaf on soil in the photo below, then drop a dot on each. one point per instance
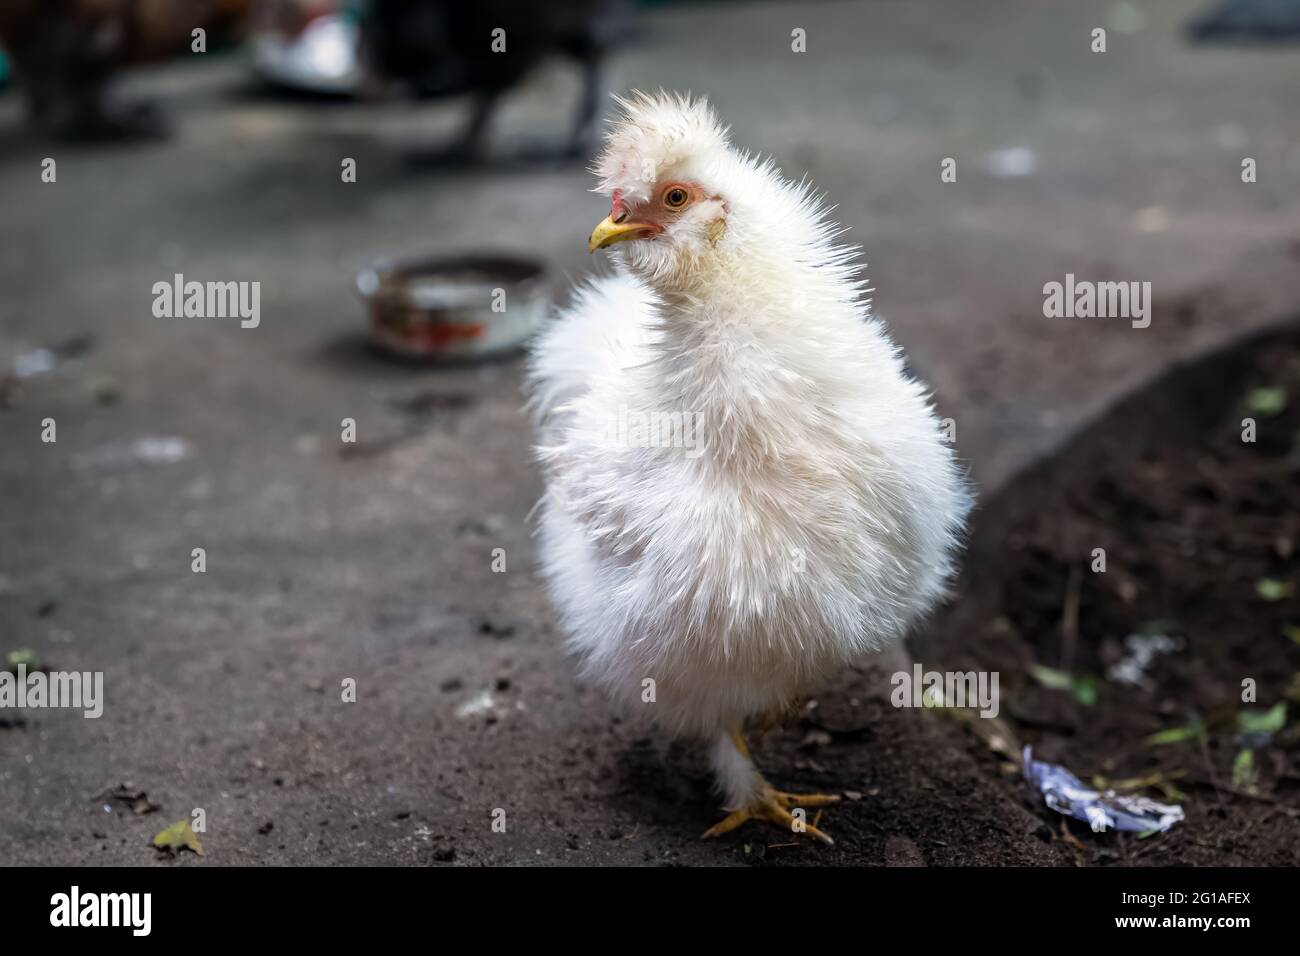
(1271, 589)
(1050, 677)
(1193, 730)
(178, 837)
(1172, 793)
(1244, 776)
(1154, 781)
(24, 655)
(995, 732)
(1266, 401)
(1083, 689)
(1262, 721)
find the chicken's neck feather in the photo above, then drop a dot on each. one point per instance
(758, 350)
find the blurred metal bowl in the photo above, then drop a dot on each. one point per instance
(470, 306)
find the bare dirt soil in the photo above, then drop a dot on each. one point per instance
(1200, 532)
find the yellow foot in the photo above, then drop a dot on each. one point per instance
(774, 806)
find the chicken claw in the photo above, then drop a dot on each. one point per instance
(774, 806)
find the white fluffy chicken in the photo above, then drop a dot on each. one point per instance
(744, 487)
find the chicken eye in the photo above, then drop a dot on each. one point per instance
(676, 198)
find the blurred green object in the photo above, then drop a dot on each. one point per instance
(4, 70)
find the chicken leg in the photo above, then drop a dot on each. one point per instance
(765, 802)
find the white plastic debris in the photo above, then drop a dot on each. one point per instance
(46, 359)
(1101, 810)
(150, 449)
(478, 705)
(1011, 162)
(160, 450)
(35, 362)
(1141, 652)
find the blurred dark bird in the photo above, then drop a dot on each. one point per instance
(484, 48)
(66, 51)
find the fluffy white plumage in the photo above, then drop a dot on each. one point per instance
(817, 516)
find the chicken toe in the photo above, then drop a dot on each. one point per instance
(780, 808)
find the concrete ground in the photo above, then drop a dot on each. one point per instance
(223, 688)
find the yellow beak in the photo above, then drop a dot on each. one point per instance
(610, 232)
